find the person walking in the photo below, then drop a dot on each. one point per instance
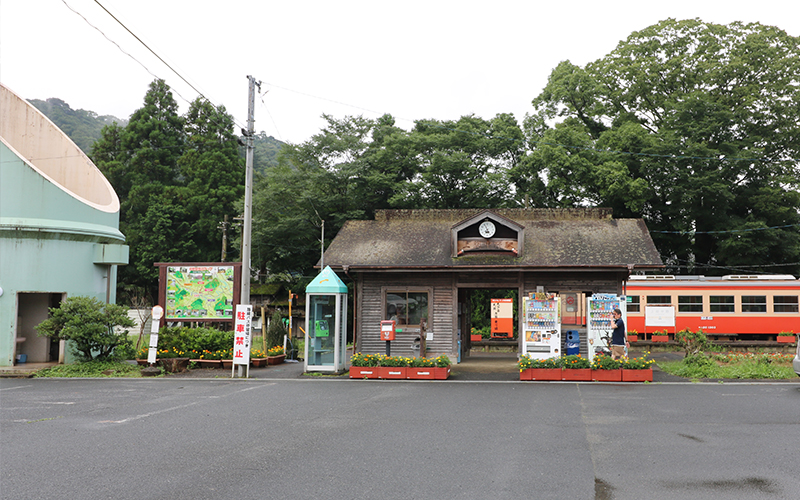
(619, 339)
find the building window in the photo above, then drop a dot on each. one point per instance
(406, 308)
(633, 304)
(659, 299)
(690, 303)
(754, 303)
(785, 304)
(720, 303)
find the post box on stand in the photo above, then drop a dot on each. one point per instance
(387, 333)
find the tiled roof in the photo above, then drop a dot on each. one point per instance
(553, 238)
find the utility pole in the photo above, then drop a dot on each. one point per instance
(247, 229)
(224, 226)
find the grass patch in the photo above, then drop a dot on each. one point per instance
(91, 369)
(773, 366)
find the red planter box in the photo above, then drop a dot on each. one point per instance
(475, 338)
(607, 375)
(660, 338)
(417, 373)
(441, 373)
(786, 340)
(392, 372)
(633, 338)
(545, 373)
(363, 372)
(525, 374)
(645, 375)
(579, 374)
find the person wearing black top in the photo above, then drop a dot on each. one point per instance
(619, 340)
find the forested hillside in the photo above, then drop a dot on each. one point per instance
(82, 126)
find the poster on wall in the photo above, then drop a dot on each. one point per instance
(199, 293)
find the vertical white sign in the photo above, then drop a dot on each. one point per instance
(242, 329)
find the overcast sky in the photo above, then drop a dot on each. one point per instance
(412, 59)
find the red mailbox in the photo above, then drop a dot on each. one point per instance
(387, 330)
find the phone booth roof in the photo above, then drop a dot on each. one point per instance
(326, 282)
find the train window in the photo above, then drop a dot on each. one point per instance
(720, 303)
(659, 299)
(633, 305)
(754, 303)
(785, 304)
(690, 303)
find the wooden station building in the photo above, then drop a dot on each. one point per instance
(419, 266)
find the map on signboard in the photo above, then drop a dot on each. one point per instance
(199, 292)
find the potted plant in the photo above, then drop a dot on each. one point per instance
(606, 369)
(421, 369)
(633, 336)
(475, 335)
(364, 365)
(637, 369)
(258, 359)
(393, 367)
(226, 358)
(786, 337)
(539, 369)
(576, 367)
(442, 369)
(210, 359)
(660, 336)
(141, 356)
(275, 355)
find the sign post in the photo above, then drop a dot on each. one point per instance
(156, 314)
(242, 331)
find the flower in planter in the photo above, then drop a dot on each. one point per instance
(602, 362)
(226, 353)
(422, 362)
(206, 354)
(275, 351)
(172, 352)
(362, 360)
(527, 361)
(257, 353)
(637, 363)
(394, 361)
(442, 361)
(142, 353)
(574, 362)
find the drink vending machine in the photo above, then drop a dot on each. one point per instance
(542, 326)
(600, 322)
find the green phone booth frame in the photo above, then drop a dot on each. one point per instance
(326, 324)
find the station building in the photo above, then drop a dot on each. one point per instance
(419, 267)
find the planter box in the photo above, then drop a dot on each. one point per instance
(363, 372)
(441, 373)
(660, 338)
(208, 363)
(276, 360)
(578, 374)
(393, 372)
(645, 375)
(525, 374)
(633, 338)
(475, 338)
(546, 373)
(258, 362)
(607, 375)
(227, 363)
(418, 373)
(786, 340)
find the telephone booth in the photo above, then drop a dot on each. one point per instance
(326, 323)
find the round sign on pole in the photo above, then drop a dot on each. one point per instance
(158, 312)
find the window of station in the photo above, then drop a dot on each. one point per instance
(690, 303)
(633, 304)
(659, 299)
(721, 303)
(785, 304)
(406, 308)
(754, 303)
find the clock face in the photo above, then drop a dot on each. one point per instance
(486, 229)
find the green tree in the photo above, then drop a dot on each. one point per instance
(90, 325)
(691, 125)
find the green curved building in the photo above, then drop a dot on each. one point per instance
(59, 229)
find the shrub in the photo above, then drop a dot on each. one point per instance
(90, 324)
(276, 330)
(693, 343)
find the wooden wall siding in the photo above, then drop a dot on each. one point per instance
(440, 307)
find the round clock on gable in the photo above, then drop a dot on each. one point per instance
(486, 229)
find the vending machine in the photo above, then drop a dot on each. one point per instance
(542, 326)
(600, 321)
